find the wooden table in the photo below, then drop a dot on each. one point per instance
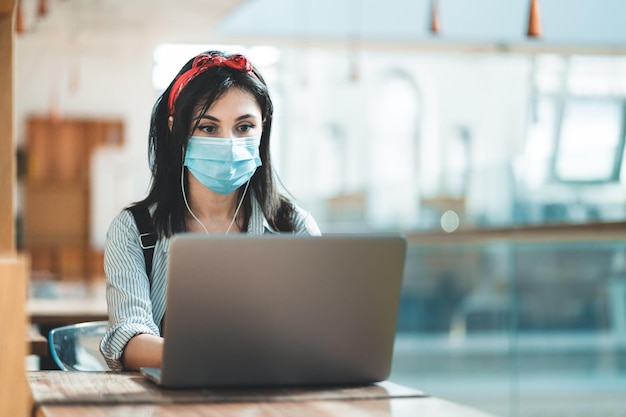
(36, 342)
(61, 312)
(73, 394)
(57, 304)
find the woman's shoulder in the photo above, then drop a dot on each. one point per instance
(300, 219)
(123, 219)
(304, 221)
(122, 228)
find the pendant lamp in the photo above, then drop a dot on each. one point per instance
(534, 20)
(434, 17)
(42, 8)
(19, 17)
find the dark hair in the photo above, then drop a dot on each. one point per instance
(167, 150)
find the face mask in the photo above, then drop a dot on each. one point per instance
(222, 165)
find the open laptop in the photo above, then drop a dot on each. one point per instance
(280, 310)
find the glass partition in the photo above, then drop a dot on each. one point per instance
(531, 324)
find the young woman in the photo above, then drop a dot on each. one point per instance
(211, 173)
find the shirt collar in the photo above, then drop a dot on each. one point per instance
(258, 225)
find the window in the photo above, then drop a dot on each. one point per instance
(586, 124)
(393, 184)
(591, 141)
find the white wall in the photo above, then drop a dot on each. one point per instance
(97, 80)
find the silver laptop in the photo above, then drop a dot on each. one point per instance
(280, 310)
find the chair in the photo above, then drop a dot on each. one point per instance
(76, 347)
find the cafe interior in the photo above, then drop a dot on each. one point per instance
(490, 133)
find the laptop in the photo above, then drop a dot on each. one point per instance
(280, 310)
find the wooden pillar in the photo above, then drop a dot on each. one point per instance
(7, 152)
(14, 393)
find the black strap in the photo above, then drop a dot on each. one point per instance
(147, 236)
(147, 240)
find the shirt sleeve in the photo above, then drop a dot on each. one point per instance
(127, 290)
(305, 223)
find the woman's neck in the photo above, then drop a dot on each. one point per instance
(215, 211)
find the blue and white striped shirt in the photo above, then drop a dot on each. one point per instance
(136, 308)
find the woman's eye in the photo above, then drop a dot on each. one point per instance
(207, 129)
(245, 128)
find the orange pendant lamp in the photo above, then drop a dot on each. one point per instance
(42, 8)
(534, 20)
(434, 17)
(19, 18)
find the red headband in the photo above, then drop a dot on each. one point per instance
(202, 63)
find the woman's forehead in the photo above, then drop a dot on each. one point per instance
(233, 100)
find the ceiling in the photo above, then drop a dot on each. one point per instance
(583, 23)
(124, 21)
(565, 22)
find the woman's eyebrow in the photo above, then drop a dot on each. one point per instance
(246, 116)
(206, 116)
(215, 119)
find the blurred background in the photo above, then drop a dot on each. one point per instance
(494, 141)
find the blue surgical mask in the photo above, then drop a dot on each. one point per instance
(222, 164)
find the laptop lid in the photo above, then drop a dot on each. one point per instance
(281, 310)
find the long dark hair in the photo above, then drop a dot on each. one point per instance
(167, 150)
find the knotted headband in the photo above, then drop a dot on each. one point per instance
(202, 63)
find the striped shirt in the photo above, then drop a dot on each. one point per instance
(134, 306)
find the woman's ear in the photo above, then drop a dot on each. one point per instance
(170, 122)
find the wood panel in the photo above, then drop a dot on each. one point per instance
(7, 6)
(56, 213)
(57, 195)
(96, 264)
(73, 262)
(14, 398)
(7, 154)
(60, 149)
(68, 261)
